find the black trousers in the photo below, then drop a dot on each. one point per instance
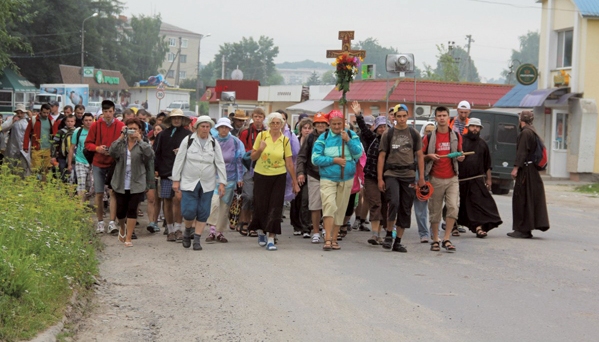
(269, 194)
(400, 195)
(300, 216)
(126, 204)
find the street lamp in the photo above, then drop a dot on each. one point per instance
(198, 76)
(83, 41)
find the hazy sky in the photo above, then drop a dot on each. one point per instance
(306, 29)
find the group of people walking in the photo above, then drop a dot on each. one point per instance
(239, 172)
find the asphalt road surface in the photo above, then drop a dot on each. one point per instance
(492, 289)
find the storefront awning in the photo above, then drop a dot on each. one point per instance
(563, 100)
(109, 80)
(537, 98)
(13, 81)
(312, 106)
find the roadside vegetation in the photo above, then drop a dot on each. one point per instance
(592, 189)
(47, 251)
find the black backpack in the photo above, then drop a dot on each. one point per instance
(539, 155)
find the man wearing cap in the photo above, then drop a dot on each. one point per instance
(238, 121)
(16, 126)
(101, 135)
(308, 172)
(39, 135)
(478, 210)
(400, 154)
(459, 124)
(373, 197)
(529, 208)
(166, 146)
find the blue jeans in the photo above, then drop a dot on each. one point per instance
(421, 211)
(195, 205)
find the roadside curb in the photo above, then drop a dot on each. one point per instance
(49, 335)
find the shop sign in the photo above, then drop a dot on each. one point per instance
(527, 74)
(100, 78)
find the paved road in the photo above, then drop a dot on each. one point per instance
(493, 289)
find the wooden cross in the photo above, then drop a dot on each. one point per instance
(346, 37)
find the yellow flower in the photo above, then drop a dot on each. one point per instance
(334, 63)
(348, 67)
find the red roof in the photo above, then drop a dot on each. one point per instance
(437, 92)
(244, 90)
(427, 92)
(367, 90)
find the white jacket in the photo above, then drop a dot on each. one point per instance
(199, 164)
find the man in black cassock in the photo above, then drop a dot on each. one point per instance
(478, 210)
(529, 208)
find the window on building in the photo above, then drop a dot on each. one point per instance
(170, 74)
(5, 98)
(184, 43)
(564, 48)
(183, 58)
(172, 42)
(170, 56)
(182, 75)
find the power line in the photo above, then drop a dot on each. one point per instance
(45, 56)
(521, 6)
(49, 34)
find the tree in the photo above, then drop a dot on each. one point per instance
(328, 78)
(275, 79)
(447, 67)
(461, 56)
(314, 79)
(375, 54)
(12, 14)
(145, 47)
(254, 58)
(528, 53)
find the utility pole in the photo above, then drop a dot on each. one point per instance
(178, 63)
(222, 74)
(198, 82)
(470, 41)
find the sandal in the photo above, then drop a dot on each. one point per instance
(253, 233)
(328, 245)
(241, 230)
(122, 236)
(480, 233)
(448, 246)
(128, 244)
(335, 246)
(435, 246)
(221, 238)
(455, 232)
(140, 213)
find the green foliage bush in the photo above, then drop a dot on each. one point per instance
(47, 250)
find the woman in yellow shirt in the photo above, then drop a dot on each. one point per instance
(272, 153)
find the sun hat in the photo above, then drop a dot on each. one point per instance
(369, 120)
(475, 122)
(464, 105)
(203, 118)
(177, 113)
(20, 107)
(381, 120)
(223, 122)
(527, 116)
(240, 115)
(400, 107)
(321, 117)
(134, 109)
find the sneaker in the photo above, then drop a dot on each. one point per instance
(399, 248)
(211, 238)
(179, 236)
(197, 246)
(187, 239)
(424, 239)
(271, 247)
(316, 238)
(112, 229)
(262, 240)
(363, 228)
(153, 228)
(171, 237)
(461, 229)
(100, 227)
(356, 225)
(297, 233)
(133, 236)
(307, 235)
(387, 242)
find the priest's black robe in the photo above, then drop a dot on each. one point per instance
(477, 206)
(529, 207)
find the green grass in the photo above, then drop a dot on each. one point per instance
(588, 189)
(47, 250)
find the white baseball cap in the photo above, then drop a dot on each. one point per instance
(464, 105)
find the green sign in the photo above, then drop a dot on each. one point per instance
(527, 74)
(100, 78)
(88, 71)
